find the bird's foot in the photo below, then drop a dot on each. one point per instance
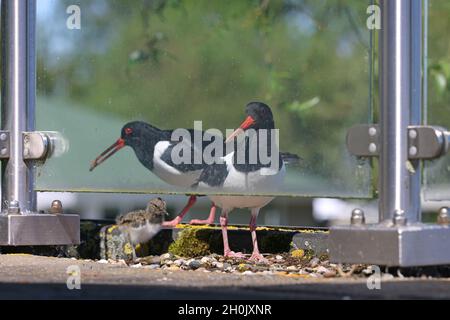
(232, 254)
(172, 223)
(257, 257)
(197, 221)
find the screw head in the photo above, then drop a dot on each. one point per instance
(372, 131)
(56, 207)
(399, 217)
(412, 150)
(358, 217)
(372, 147)
(13, 207)
(412, 134)
(3, 136)
(443, 216)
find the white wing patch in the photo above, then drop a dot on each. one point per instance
(168, 173)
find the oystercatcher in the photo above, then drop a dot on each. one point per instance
(142, 225)
(233, 176)
(153, 148)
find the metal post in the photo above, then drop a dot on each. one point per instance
(20, 224)
(415, 212)
(395, 62)
(18, 55)
(400, 238)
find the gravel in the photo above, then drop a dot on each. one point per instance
(280, 264)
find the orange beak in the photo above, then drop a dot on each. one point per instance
(249, 121)
(116, 146)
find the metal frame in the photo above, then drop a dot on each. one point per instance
(400, 238)
(20, 224)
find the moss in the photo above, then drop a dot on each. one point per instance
(192, 242)
(309, 254)
(298, 253)
(128, 249)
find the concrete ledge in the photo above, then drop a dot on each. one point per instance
(103, 240)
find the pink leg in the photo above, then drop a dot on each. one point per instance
(226, 247)
(177, 220)
(210, 220)
(256, 256)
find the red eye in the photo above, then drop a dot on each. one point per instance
(128, 131)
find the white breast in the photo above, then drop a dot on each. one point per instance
(168, 173)
(261, 181)
(144, 233)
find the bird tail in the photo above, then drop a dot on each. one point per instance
(290, 158)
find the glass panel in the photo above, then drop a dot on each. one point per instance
(437, 173)
(170, 63)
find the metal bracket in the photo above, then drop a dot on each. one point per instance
(35, 145)
(424, 142)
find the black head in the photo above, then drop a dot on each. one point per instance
(134, 134)
(259, 116)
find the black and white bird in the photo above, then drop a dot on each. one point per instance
(153, 148)
(246, 177)
(142, 225)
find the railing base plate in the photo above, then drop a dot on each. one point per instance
(39, 229)
(405, 246)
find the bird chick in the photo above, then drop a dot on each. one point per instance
(142, 225)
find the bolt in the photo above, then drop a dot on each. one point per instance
(372, 148)
(443, 216)
(56, 207)
(358, 217)
(372, 131)
(412, 134)
(13, 207)
(399, 217)
(412, 151)
(3, 136)
(4, 151)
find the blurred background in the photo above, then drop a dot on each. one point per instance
(173, 62)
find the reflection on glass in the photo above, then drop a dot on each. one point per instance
(437, 173)
(172, 62)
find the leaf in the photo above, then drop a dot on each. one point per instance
(299, 107)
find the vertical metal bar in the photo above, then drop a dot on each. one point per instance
(31, 95)
(395, 64)
(414, 213)
(425, 63)
(16, 94)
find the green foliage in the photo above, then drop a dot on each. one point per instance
(173, 62)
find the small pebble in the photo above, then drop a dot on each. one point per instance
(314, 262)
(322, 270)
(179, 262)
(205, 260)
(291, 268)
(103, 261)
(247, 272)
(153, 266)
(194, 264)
(278, 257)
(136, 265)
(166, 256)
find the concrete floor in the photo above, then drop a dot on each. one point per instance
(33, 277)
